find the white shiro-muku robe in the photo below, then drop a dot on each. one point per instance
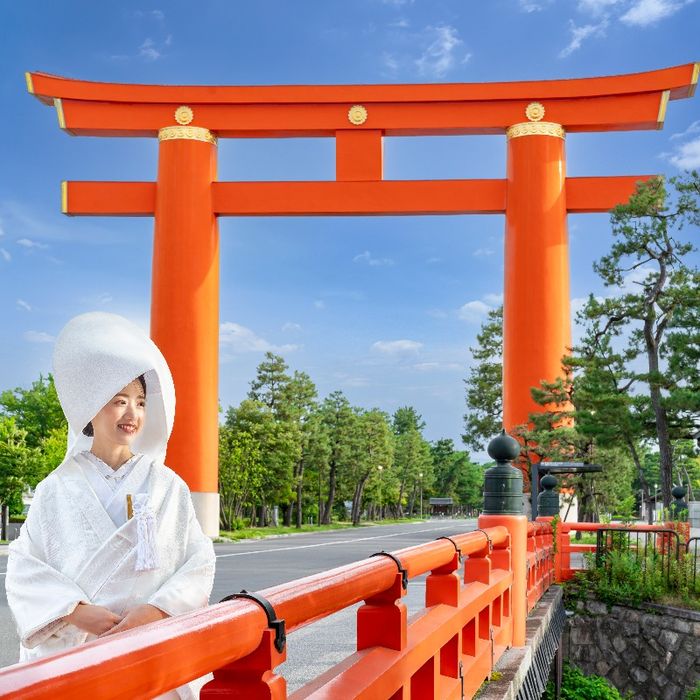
(77, 544)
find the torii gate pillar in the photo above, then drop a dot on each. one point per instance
(536, 309)
(185, 305)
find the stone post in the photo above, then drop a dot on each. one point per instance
(548, 500)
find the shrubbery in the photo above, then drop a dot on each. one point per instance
(624, 576)
(577, 686)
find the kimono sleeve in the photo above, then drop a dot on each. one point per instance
(190, 586)
(39, 596)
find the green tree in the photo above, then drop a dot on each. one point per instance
(315, 455)
(297, 407)
(46, 457)
(456, 476)
(279, 445)
(375, 448)
(15, 458)
(446, 467)
(339, 421)
(469, 489)
(240, 474)
(36, 410)
(653, 316)
(606, 409)
(291, 401)
(413, 464)
(271, 384)
(406, 419)
(484, 385)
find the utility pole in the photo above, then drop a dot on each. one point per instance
(420, 476)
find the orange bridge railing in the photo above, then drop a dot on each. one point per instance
(473, 611)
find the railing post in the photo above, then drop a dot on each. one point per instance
(503, 505)
(252, 677)
(442, 585)
(562, 558)
(382, 620)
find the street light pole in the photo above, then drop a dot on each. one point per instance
(420, 476)
(319, 495)
(380, 469)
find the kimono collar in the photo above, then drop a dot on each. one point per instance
(106, 471)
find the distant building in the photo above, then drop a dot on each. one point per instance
(441, 506)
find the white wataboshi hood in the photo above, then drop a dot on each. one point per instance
(97, 354)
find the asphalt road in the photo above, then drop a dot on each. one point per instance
(258, 564)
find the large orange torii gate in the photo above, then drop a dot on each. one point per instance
(186, 200)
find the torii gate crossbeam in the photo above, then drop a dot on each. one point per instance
(187, 199)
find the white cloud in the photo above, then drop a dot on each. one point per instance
(7, 257)
(38, 337)
(634, 278)
(578, 303)
(367, 259)
(646, 12)
(158, 15)
(97, 299)
(437, 313)
(390, 62)
(686, 155)
(580, 34)
(437, 366)
(291, 327)
(433, 261)
(474, 311)
(694, 128)
(426, 366)
(397, 3)
(596, 7)
(27, 243)
(482, 252)
(395, 347)
(534, 5)
(239, 339)
(319, 304)
(356, 382)
(23, 305)
(493, 299)
(149, 51)
(401, 23)
(442, 43)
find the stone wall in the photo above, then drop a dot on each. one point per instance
(654, 652)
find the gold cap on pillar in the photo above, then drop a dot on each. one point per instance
(194, 133)
(535, 127)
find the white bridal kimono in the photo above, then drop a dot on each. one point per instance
(78, 543)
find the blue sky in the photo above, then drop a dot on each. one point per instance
(381, 308)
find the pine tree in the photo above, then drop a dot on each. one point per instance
(484, 417)
(653, 314)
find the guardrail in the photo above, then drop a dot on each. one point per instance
(445, 651)
(692, 545)
(565, 548)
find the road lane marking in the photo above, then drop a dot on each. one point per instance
(327, 544)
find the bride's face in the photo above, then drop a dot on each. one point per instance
(122, 418)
